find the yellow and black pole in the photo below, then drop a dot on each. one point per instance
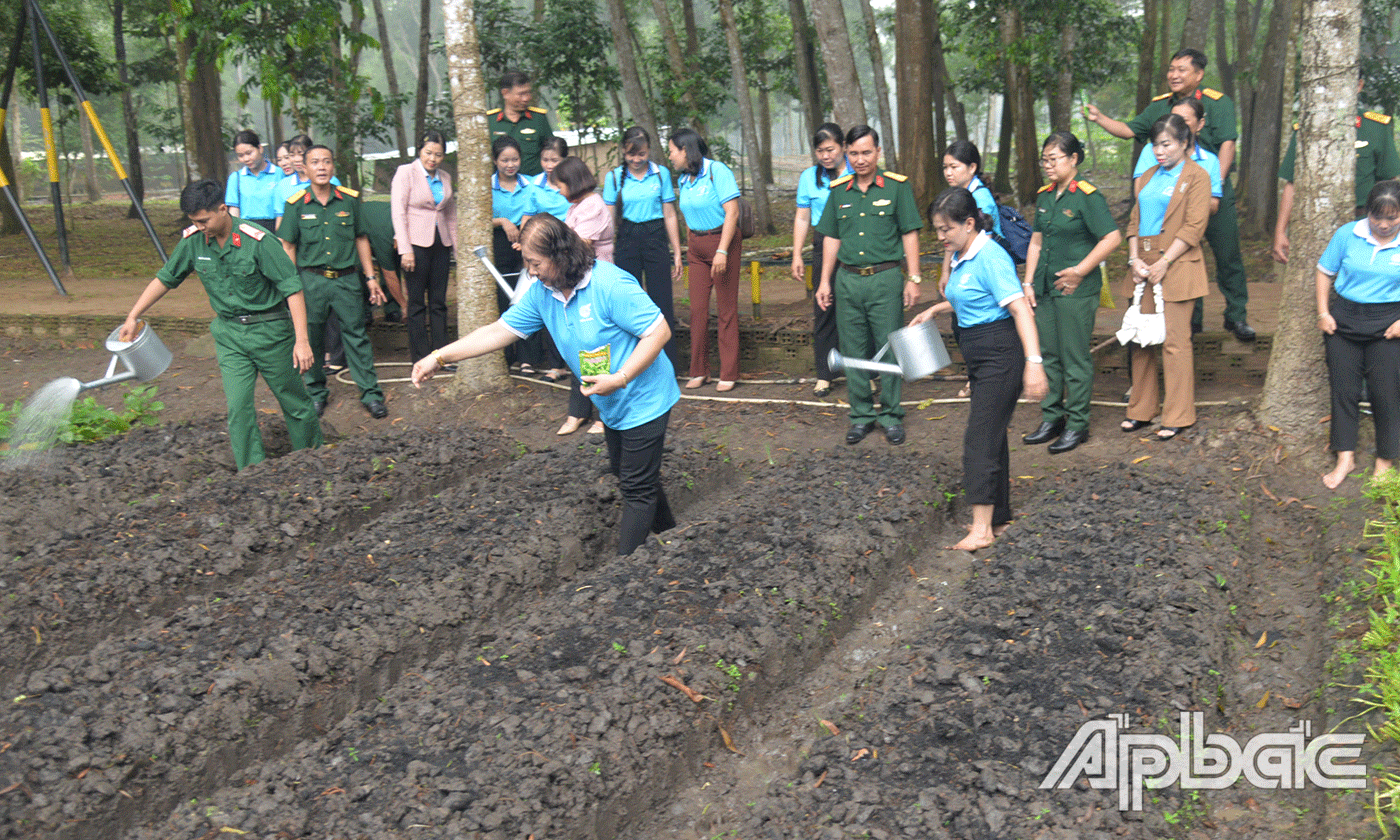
(41, 21)
(50, 149)
(29, 232)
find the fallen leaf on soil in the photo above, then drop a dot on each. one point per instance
(1262, 639)
(830, 727)
(228, 829)
(680, 655)
(1263, 701)
(1140, 460)
(816, 784)
(1250, 667)
(1290, 703)
(15, 786)
(483, 660)
(728, 742)
(860, 753)
(1264, 487)
(685, 689)
(1025, 478)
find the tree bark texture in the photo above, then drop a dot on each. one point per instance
(1295, 394)
(1265, 127)
(391, 79)
(1195, 29)
(134, 172)
(763, 121)
(676, 60)
(89, 159)
(627, 67)
(425, 43)
(804, 67)
(914, 88)
(1147, 67)
(476, 289)
(882, 89)
(1062, 99)
(847, 102)
(739, 76)
(1020, 106)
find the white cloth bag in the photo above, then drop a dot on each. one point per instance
(1145, 330)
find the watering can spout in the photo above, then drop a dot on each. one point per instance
(838, 363)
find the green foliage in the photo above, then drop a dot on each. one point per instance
(91, 422)
(1380, 693)
(581, 75)
(1379, 55)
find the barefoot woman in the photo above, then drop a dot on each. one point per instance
(1361, 327)
(1000, 345)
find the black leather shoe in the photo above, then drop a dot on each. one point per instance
(1242, 331)
(895, 434)
(377, 410)
(1069, 440)
(1045, 432)
(320, 406)
(857, 433)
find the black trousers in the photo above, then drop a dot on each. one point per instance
(995, 364)
(635, 455)
(824, 338)
(641, 250)
(427, 323)
(579, 405)
(508, 261)
(1358, 352)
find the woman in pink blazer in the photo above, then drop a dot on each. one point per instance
(425, 230)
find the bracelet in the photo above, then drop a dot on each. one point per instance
(437, 359)
(721, 251)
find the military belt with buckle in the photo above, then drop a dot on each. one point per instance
(279, 314)
(332, 273)
(869, 270)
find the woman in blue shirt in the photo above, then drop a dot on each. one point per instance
(546, 197)
(813, 189)
(1361, 328)
(1001, 348)
(250, 194)
(511, 195)
(648, 244)
(611, 336)
(709, 199)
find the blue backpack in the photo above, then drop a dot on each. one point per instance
(1015, 233)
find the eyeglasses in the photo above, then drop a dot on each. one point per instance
(1051, 161)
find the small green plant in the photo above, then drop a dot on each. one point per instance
(353, 752)
(596, 768)
(90, 422)
(619, 647)
(733, 672)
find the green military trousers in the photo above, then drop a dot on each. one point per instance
(1066, 326)
(246, 350)
(1223, 235)
(343, 296)
(868, 309)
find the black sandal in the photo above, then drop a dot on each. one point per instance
(1171, 432)
(1128, 426)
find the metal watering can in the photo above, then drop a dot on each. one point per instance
(145, 358)
(919, 351)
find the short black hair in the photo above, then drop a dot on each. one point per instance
(575, 177)
(1197, 57)
(313, 148)
(550, 237)
(1068, 144)
(198, 196)
(965, 152)
(859, 131)
(432, 135)
(512, 79)
(246, 137)
(501, 143)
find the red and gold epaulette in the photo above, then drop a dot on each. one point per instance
(256, 232)
(189, 231)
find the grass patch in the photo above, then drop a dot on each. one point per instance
(1380, 646)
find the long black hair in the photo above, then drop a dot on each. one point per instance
(500, 144)
(1174, 125)
(825, 132)
(688, 140)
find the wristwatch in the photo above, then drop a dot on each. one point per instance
(1035, 360)
(916, 279)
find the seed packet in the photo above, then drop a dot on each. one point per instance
(595, 362)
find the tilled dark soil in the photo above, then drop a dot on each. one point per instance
(428, 635)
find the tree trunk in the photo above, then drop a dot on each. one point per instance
(949, 96)
(764, 121)
(89, 159)
(1062, 100)
(1221, 58)
(882, 89)
(391, 78)
(739, 78)
(676, 59)
(1001, 179)
(804, 68)
(1147, 53)
(134, 172)
(1020, 104)
(627, 67)
(914, 89)
(1195, 29)
(847, 102)
(1295, 394)
(692, 32)
(1267, 119)
(476, 290)
(425, 43)
(201, 110)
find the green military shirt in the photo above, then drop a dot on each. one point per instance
(1071, 225)
(1220, 124)
(871, 224)
(379, 227)
(530, 131)
(324, 234)
(1376, 159)
(250, 273)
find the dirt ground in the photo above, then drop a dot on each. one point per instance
(421, 630)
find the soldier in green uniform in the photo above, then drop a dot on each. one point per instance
(323, 232)
(1376, 160)
(871, 223)
(379, 226)
(1184, 74)
(519, 119)
(260, 326)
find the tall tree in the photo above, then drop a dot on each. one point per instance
(944, 97)
(201, 99)
(1020, 106)
(1196, 26)
(1265, 127)
(882, 91)
(914, 88)
(1295, 389)
(476, 290)
(1147, 66)
(425, 46)
(1062, 95)
(391, 78)
(135, 170)
(847, 101)
(676, 62)
(804, 67)
(740, 77)
(627, 67)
